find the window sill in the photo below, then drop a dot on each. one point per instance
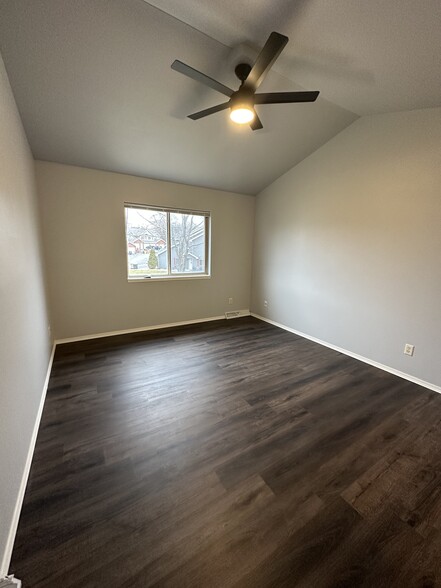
(166, 279)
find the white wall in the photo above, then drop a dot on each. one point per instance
(24, 338)
(84, 240)
(348, 243)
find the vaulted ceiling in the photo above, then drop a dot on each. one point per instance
(93, 83)
(366, 56)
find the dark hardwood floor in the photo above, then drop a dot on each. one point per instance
(230, 454)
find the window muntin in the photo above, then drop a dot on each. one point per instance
(165, 243)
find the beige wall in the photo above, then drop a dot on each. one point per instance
(348, 243)
(24, 337)
(83, 220)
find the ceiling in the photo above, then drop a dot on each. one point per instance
(367, 56)
(93, 83)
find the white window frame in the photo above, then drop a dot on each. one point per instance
(171, 276)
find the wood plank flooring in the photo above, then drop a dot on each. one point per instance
(230, 454)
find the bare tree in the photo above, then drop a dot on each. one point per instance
(182, 229)
(156, 225)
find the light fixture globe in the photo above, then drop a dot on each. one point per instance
(242, 115)
(242, 107)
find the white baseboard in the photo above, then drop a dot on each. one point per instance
(150, 328)
(24, 480)
(376, 364)
(10, 582)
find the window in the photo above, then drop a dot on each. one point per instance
(166, 242)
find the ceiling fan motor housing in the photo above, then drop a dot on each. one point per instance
(242, 71)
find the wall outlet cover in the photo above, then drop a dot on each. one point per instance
(409, 349)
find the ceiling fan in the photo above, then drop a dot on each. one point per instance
(242, 102)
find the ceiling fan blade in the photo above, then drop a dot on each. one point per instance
(198, 76)
(270, 52)
(256, 123)
(285, 97)
(208, 111)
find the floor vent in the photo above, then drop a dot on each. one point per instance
(232, 314)
(10, 582)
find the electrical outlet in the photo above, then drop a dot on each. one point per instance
(265, 303)
(230, 301)
(409, 349)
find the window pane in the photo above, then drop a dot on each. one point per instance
(187, 243)
(146, 234)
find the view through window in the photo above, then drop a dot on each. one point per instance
(166, 242)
